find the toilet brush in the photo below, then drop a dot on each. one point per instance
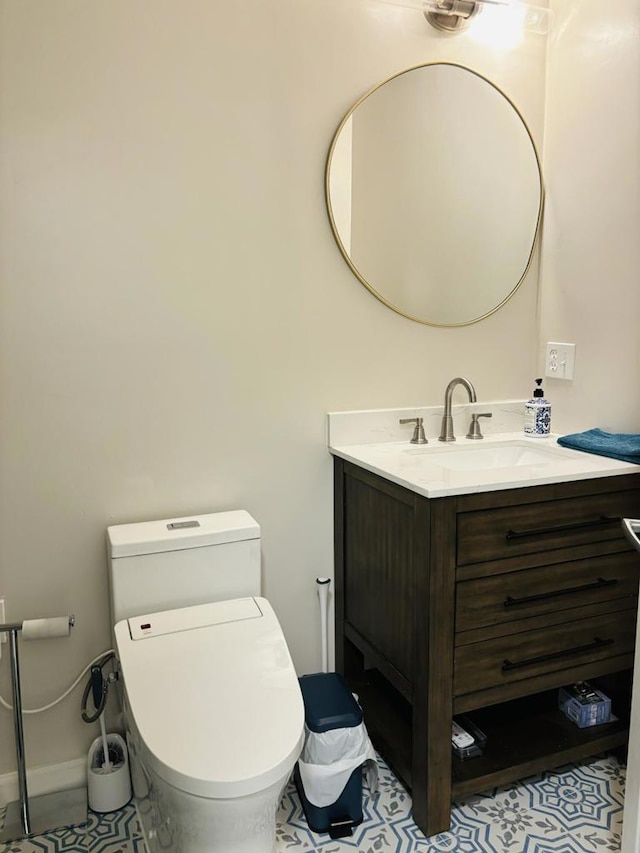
(106, 764)
(98, 689)
(109, 782)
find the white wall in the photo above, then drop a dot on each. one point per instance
(591, 255)
(176, 318)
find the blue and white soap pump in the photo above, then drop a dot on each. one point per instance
(537, 413)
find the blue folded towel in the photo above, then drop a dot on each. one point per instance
(624, 446)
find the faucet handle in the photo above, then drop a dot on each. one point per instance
(418, 436)
(474, 426)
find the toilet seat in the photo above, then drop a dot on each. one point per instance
(214, 696)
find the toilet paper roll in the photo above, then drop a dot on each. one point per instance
(42, 629)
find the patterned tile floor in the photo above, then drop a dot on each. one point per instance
(117, 832)
(575, 809)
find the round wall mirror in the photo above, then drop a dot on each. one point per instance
(435, 194)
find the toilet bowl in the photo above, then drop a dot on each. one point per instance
(213, 710)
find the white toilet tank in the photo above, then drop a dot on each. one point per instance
(177, 562)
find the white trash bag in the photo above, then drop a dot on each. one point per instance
(329, 758)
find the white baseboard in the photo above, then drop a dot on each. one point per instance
(45, 780)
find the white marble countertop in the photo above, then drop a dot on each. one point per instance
(427, 470)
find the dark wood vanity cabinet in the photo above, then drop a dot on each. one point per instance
(485, 605)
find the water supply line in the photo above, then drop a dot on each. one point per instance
(9, 707)
(323, 585)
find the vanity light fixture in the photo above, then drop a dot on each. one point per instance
(452, 16)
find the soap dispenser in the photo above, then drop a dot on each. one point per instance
(537, 413)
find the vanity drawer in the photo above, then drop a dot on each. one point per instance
(537, 528)
(517, 657)
(506, 599)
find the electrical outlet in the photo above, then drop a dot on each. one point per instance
(560, 360)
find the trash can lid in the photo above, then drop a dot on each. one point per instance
(328, 702)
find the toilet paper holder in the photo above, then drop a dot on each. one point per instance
(47, 812)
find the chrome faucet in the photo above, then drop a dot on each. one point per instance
(418, 436)
(474, 426)
(446, 432)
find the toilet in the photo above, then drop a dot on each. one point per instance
(212, 706)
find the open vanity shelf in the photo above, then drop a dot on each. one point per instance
(524, 736)
(483, 604)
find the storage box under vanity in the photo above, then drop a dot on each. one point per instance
(584, 704)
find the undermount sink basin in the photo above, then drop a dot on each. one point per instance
(509, 454)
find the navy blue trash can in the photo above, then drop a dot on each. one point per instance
(328, 705)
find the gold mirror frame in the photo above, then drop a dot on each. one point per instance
(332, 220)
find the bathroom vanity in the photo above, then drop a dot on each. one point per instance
(482, 600)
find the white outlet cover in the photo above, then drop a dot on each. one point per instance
(560, 360)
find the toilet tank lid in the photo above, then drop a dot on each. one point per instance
(174, 534)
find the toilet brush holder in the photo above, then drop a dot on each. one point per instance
(109, 785)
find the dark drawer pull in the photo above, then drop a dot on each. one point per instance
(530, 599)
(561, 528)
(597, 643)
